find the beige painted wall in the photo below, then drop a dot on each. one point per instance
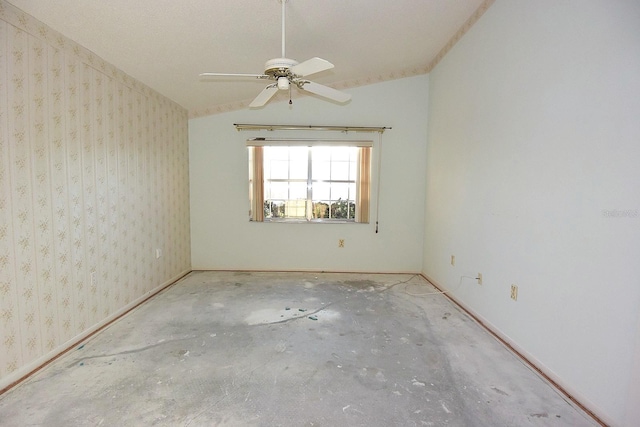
(222, 236)
(93, 179)
(532, 179)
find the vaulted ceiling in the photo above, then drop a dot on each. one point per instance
(165, 44)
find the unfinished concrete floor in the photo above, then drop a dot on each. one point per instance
(291, 349)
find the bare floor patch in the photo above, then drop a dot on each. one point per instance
(220, 348)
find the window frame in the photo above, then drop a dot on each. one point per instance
(362, 183)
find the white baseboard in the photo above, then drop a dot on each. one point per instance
(534, 363)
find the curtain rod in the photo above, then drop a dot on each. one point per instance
(304, 142)
(242, 126)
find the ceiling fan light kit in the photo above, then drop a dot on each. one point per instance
(283, 83)
(287, 72)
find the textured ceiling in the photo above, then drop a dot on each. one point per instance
(165, 44)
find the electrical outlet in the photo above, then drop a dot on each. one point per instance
(514, 292)
(341, 243)
(158, 253)
(453, 260)
(92, 278)
(479, 278)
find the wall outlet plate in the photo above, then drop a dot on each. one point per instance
(514, 292)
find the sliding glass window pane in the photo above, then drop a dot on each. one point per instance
(267, 190)
(295, 209)
(339, 191)
(341, 153)
(321, 210)
(278, 190)
(321, 170)
(333, 177)
(298, 162)
(276, 153)
(278, 169)
(321, 154)
(321, 191)
(342, 209)
(353, 171)
(298, 170)
(340, 171)
(298, 190)
(274, 208)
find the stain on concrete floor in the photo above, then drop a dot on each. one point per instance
(268, 349)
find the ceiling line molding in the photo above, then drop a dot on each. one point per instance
(346, 84)
(461, 32)
(364, 81)
(32, 26)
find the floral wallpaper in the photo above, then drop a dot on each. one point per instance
(93, 179)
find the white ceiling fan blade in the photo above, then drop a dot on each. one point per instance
(264, 96)
(311, 66)
(326, 92)
(213, 76)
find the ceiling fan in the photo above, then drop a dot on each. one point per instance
(287, 72)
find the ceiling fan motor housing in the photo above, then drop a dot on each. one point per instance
(279, 67)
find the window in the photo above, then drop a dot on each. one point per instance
(310, 183)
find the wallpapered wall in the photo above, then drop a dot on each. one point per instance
(93, 179)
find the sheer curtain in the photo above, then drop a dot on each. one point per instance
(256, 183)
(363, 186)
